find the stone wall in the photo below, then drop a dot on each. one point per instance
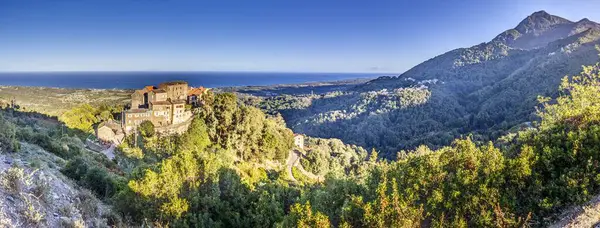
(179, 128)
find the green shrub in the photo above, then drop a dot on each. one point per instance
(146, 129)
(75, 169)
(8, 139)
(14, 179)
(99, 181)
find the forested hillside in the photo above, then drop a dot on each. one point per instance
(228, 170)
(484, 90)
(449, 143)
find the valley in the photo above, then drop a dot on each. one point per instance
(483, 91)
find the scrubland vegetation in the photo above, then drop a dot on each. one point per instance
(228, 171)
(476, 137)
(56, 101)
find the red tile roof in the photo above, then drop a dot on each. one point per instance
(196, 91)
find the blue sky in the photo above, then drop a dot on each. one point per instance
(254, 35)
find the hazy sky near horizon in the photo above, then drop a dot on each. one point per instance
(254, 35)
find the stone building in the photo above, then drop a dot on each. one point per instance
(195, 95)
(299, 141)
(157, 95)
(163, 106)
(179, 115)
(137, 99)
(161, 113)
(141, 97)
(110, 131)
(134, 117)
(176, 90)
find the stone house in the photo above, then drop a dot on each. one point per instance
(110, 131)
(140, 98)
(299, 141)
(178, 115)
(137, 99)
(157, 95)
(161, 113)
(176, 90)
(134, 117)
(195, 96)
(163, 106)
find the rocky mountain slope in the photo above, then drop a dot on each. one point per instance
(487, 89)
(35, 193)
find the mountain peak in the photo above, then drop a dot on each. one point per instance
(539, 22)
(541, 13)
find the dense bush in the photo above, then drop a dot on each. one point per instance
(333, 157)
(92, 176)
(146, 129)
(8, 139)
(245, 129)
(84, 116)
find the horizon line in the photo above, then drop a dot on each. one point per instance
(198, 71)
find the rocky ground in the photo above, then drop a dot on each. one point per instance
(587, 215)
(33, 193)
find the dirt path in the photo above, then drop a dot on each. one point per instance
(308, 174)
(292, 159)
(110, 152)
(587, 215)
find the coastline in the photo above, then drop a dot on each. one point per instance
(132, 80)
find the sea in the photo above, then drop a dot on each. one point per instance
(130, 80)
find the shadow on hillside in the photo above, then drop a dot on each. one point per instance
(433, 123)
(46, 131)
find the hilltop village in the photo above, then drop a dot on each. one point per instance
(167, 107)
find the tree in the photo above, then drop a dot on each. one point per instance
(196, 138)
(133, 152)
(8, 140)
(81, 117)
(578, 104)
(302, 216)
(146, 129)
(373, 156)
(225, 107)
